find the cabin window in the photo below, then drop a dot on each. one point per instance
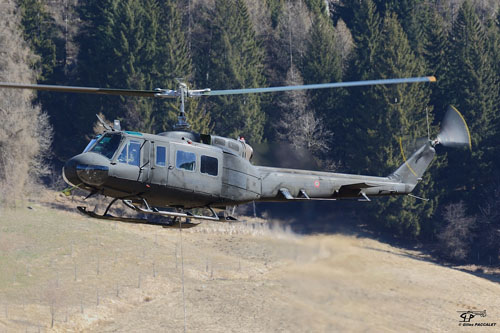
(131, 153)
(209, 165)
(185, 160)
(161, 156)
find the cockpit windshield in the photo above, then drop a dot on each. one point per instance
(107, 145)
(91, 143)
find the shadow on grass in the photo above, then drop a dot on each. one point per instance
(480, 272)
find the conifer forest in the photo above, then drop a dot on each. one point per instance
(231, 44)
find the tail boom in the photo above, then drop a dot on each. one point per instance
(290, 184)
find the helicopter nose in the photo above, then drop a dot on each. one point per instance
(89, 168)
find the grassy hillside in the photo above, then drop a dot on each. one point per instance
(91, 275)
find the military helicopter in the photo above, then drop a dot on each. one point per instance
(172, 173)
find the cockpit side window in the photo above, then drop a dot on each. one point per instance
(131, 153)
(123, 155)
(107, 145)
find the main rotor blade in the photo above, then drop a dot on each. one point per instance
(319, 86)
(85, 90)
(167, 93)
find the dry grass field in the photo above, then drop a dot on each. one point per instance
(61, 269)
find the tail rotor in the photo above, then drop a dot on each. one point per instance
(454, 131)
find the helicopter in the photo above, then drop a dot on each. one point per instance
(177, 174)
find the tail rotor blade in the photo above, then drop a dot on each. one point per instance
(454, 131)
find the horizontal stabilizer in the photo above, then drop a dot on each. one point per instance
(358, 186)
(354, 190)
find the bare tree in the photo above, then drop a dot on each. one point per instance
(294, 27)
(455, 238)
(343, 42)
(486, 9)
(25, 133)
(489, 225)
(298, 124)
(258, 14)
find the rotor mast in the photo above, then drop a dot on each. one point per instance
(182, 123)
(182, 92)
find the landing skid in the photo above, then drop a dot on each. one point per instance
(155, 211)
(175, 216)
(173, 224)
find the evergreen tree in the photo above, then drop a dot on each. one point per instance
(317, 7)
(198, 117)
(410, 16)
(94, 65)
(414, 22)
(486, 241)
(470, 76)
(43, 35)
(471, 87)
(285, 47)
(402, 8)
(174, 61)
(384, 115)
(497, 21)
(435, 41)
(493, 33)
(94, 40)
(323, 64)
(275, 8)
(365, 29)
(235, 61)
(39, 30)
(434, 53)
(139, 44)
(133, 48)
(495, 47)
(435, 44)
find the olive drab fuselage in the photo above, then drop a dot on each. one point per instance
(186, 170)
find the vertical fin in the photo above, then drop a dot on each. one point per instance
(413, 168)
